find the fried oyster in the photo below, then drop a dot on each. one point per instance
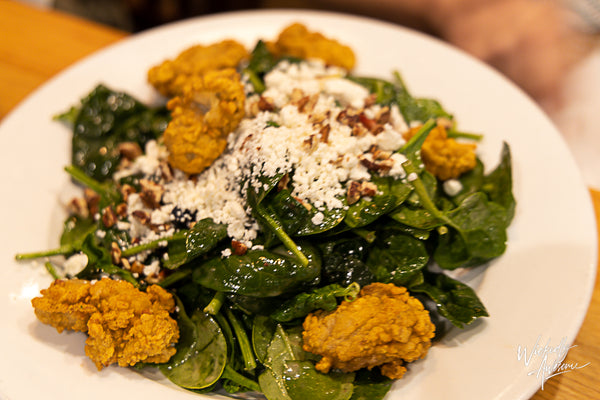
(384, 327)
(124, 325)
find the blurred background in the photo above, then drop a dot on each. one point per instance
(550, 48)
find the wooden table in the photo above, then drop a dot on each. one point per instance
(35, 44)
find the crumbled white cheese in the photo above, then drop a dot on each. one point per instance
(152, 269)
(226, 253)
(75, 264)
(452, 187)
(318, 218)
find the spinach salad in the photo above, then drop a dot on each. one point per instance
(244, 285)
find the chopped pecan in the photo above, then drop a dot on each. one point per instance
(370, 124)
(307, 103)
(348, 117)
(129, 150)
(137, 267)
(359, 130)
(310, 143)
(125, 263)
(166, 172)
(141, 216)
(151, 193)
(121, 210)
(78, 206)
(109, 218)
(384, 115)
(324, 132)
(239, 248)
(115, 253)
(356, 190)
(283, 182)
(353, 193)
(319, 118)
(370, 100)
(304, 203)
(92, 199)
(126, 190)
(265, 104)
(376, 165)
(379, 154)
(368, 189)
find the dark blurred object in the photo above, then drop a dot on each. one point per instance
(137, 15)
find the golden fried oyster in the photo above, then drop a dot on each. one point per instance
(384, 327)
(444, 157)
(124, 325)
(170, 76)
(297, 41)
(210, 108)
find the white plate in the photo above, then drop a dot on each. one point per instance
(540, 288)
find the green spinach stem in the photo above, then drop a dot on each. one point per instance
(234, 376)
(215, 304)
(133, 250)
(419, 187)
(51, 270)
(243, 341)
(286, 341)
(76, 173)
(464, 135)
(174, 277)
(415, 143)
(60, 251)
(282, 235)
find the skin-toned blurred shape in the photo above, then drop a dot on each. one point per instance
(534, 43)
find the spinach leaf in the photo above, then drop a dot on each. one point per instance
(390, 194)
(263, 329)
(204, 236)
(201, 352)
(385, 91)
(344, 261)
(366, 211)
(370, 385)
(75, 230)
(411, 108)
(498, 184)
(261, 62)
(455, 301)
(283, 346)
(398, 258)
(416, 109)
(470, 182)
(416, 217)
(477, 234)
(105, 119)
(259, 273)
(398, 188)
(290, 375)
(303, 381)
(297, 220)
(325, 298)
(473, 232)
